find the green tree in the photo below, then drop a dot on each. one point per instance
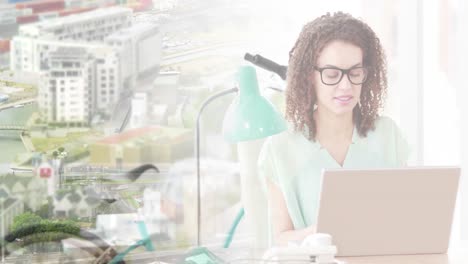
(32, 232)
(74, 198)
(46, 210)
(24, 220)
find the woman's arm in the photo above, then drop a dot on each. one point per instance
(283, 229)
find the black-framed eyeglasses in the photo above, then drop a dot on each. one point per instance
(333, 75)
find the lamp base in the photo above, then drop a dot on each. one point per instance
(202, 255)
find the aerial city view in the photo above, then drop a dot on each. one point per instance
(98, 104)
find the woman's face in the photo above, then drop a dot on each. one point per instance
(334, 95)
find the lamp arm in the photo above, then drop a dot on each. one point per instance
(197, 150)
(276, 89)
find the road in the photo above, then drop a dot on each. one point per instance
(19, 103)
(215, 49)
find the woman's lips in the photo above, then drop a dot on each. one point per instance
(343, 99)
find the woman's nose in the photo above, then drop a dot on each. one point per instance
(345, 84)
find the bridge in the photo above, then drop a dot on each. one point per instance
(12, 127)
(16, 104)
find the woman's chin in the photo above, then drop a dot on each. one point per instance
(340, 109)
(343, 111)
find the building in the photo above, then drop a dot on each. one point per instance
(75, 203)
(27, 51)
(165, 88)
(9, 209)
(64, 92)
(140, 48)
(164, 97)
(153, 144)
(139, 110)
(7, 14)
(11, 14)
(91, 58)
(108, 76)
(4, 45)
(77, 80)
(165, 5)
(90, 26)
(31, 191)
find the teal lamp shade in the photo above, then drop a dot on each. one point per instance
(251, 116)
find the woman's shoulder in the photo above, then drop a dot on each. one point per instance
(388, 133)
(385, 124)
(386, 129)
(289, 138)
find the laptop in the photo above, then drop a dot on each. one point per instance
(388, 211)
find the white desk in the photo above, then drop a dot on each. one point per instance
(456, 255)
(407, 259)
(249, 256)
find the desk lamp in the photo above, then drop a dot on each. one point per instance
(249, 117)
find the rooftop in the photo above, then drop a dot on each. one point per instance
(150, 132)
(8, 202)
(134, 30)
(78, 18)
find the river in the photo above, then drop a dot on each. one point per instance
(10, 142)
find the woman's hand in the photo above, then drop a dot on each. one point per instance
(283, 228)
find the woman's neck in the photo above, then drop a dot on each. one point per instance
(330, 125)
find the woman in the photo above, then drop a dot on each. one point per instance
(336, 87)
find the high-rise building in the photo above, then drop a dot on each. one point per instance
(108, 76)
(80, 79)
(64, 93)
(140, 49)
(89, 26)
(80, 76)
(86, 60)
(26, 54)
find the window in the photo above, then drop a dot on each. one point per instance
(61, 213)
(73, 73)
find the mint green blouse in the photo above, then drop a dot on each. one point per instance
(295, 164)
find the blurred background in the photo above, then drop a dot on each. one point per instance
(90, 90)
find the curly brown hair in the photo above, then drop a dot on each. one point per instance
(300, 93)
